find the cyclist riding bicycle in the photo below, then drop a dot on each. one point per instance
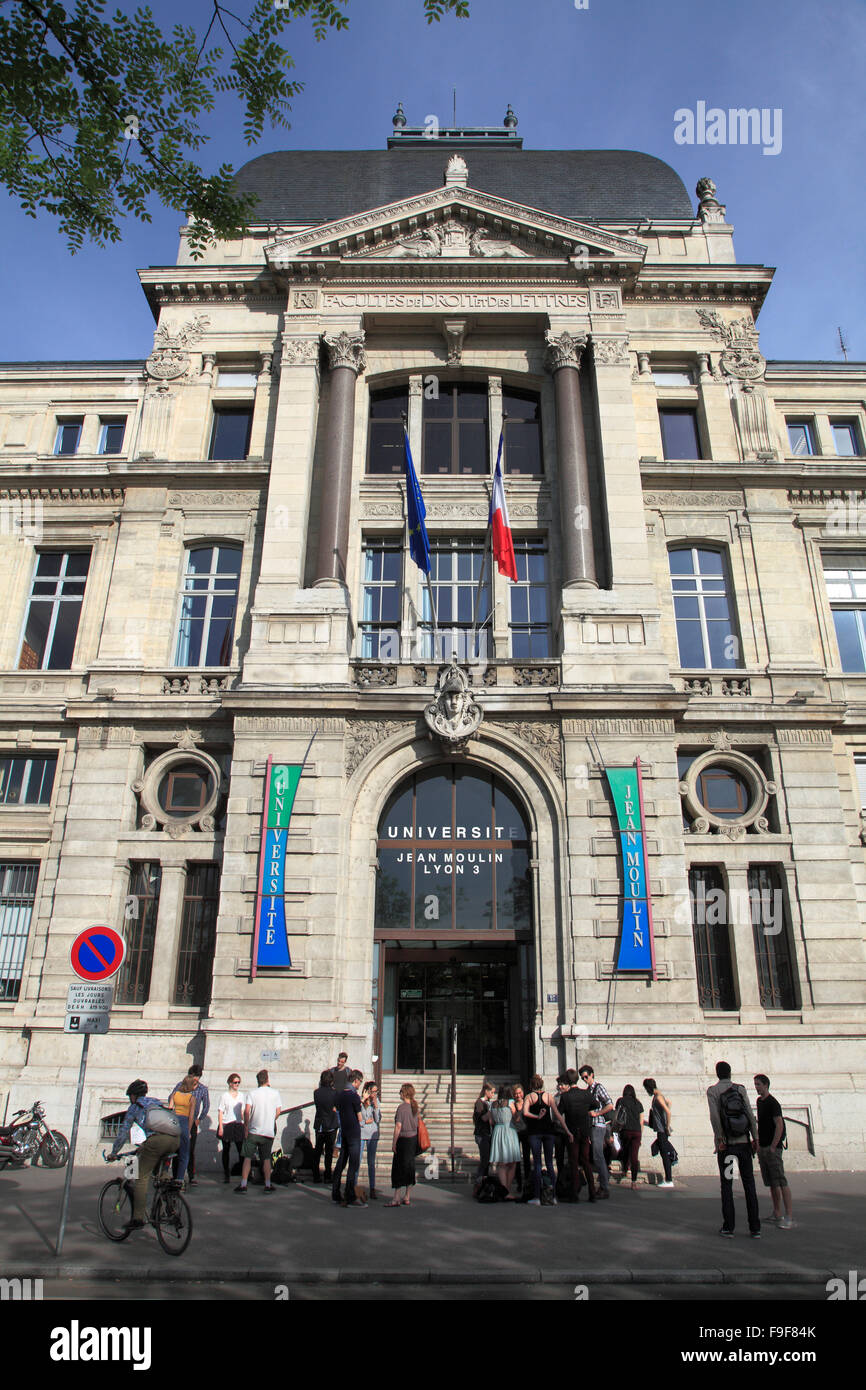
(163, 1138)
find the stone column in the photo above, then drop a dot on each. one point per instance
(166, 942)
(346, 359)
(578, 557)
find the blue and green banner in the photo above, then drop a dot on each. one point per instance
(636, 949)
(271, 943)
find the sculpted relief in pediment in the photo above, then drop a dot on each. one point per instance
(450, 240)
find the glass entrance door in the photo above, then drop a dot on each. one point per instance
(430, 998)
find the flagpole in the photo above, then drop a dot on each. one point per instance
(427, 571)
(488, 543)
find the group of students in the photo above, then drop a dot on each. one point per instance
(347, 1122)
(520, 1133)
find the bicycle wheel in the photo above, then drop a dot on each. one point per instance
(173, 1221)
(114, 1209)
(54, 1151)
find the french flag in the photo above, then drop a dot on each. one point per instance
(503, 545)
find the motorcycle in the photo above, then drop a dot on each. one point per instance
(28, 1137)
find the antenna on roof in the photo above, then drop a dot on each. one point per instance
(843, 345)
(454, 93)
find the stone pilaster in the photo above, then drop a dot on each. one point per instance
(346, 359)
(578, 558)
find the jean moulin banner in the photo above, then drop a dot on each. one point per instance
(271, 945)
(636, 951)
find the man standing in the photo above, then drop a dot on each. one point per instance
(200, 1107)
(603, 1105)
(325, 1124)
(349, 1108)
(735, 1134)
(342, 1073)
(260, 1125)
(771, 1137)
(576, 1105)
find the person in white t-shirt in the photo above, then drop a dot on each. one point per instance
(261, 1112)
(230, 1122)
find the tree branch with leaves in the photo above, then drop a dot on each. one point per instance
(100, 115)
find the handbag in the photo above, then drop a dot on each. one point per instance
(423, 1142)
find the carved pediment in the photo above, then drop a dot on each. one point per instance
(452, 223)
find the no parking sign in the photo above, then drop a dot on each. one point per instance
(97, 953)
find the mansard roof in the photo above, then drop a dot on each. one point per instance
(309, 187)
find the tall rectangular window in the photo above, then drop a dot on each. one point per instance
(801, 437)
(139, 932)
(68, 435)
(26, 781)
(845, 577)
(712, 939)
(455, 570)
(388, 409)
(455, 430)
(680, 438)
(522, 424)
(111, 432)
(530, 603)
(208, 604)
(846, 438)
(56, 597)
(197, 935)
(773, 955)
(705, 627)
(381, 602)
(17, 896)
(230, 436)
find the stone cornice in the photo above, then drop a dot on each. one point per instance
(700, 284)
(211, 284)
(373, 227)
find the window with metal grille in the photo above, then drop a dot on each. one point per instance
(27, 781)
(109, 1126)
(197, 935)
(777, 984)
(530, 611)
(712, 939)
(56, 596)
(17, 895)
(139, 931)
(208, 605)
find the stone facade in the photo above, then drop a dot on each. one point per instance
(298, 328)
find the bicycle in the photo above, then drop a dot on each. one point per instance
(169, 1212)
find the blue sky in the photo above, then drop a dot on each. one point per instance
(607, 77)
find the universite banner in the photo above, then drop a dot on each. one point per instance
(271, 944)
(636, 949)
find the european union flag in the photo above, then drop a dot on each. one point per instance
(419, 544)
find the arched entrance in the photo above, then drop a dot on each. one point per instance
(453, 923)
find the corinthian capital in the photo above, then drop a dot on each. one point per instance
(563, 351)
(346, 350)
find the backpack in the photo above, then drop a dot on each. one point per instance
(733, 1114)
(548, 1196)
(158, 1120)
(620, 1119)
(491, 1190)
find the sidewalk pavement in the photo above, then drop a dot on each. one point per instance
(298, 1235)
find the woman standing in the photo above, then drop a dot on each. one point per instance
(370, 1118)
(230, 1122)
(185, 1106)
(524, 1171)
(660, 1121)
(629, 1112)
(504, 1144)
(404, 1146)
(540, 1112)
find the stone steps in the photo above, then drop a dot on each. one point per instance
(433, 1094)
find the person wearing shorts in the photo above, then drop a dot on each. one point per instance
(771, 1136)
(260, 1122)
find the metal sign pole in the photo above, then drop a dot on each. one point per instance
(85, 1046)
(453, 1092)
